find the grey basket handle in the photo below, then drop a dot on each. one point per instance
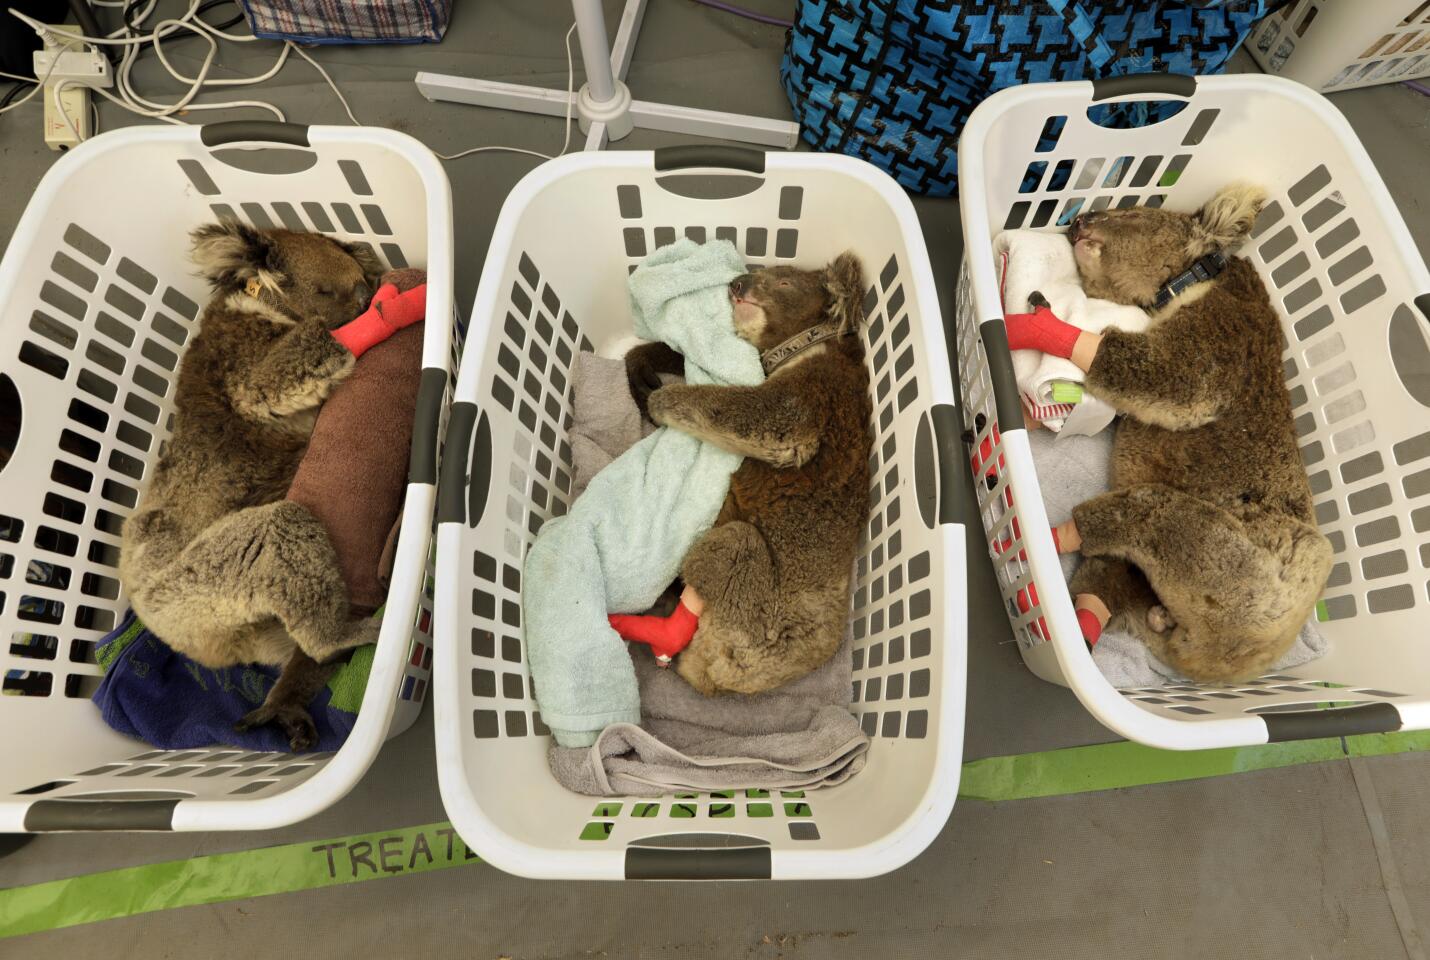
(469, 440)
(1179, 85)
(1339, 722)
(1007, 401)
(936, 470)
(254, 131)
(431, 393)
(709, 155)
(44, 816)
(675, 863)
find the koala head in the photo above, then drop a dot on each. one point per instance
(1126, 255)
(302, 275)
(775, 303)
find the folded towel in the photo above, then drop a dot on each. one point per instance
(1078, 468)
(798, 737)
(172, 703)
(1035, 261)
(354, 474)
(623, 541)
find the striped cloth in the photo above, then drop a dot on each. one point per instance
(349, 21)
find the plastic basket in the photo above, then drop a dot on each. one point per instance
(553, 284)
(1336, 46)
(98, 299)
(1343, 274)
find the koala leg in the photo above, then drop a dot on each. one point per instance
(1237, 588)
(730, 568)
(287, 701)
(268, 562)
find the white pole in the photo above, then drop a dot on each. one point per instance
(595, 50)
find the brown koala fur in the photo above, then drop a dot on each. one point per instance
(214, 560)
(1206, 547)
(775, 569)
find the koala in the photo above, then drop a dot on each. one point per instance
(774, 571)
(1206, 546)
(215, 561)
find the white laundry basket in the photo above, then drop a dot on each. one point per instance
(1332, 45)
(554, 284)
(1353, 296)
(97, 300)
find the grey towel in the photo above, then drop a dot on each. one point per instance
(1072, 469)
(798, 737)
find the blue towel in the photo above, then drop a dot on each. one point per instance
(172, 703)
(625, 538)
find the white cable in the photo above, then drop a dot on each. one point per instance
(59, 105)
(129, 99)
(570, 98)
(39, 83)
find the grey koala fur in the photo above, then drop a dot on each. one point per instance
(774, 570)
(1206, 546)
(215, 561)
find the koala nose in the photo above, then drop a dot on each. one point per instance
(738, 286)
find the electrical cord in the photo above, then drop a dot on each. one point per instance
(747, 14)
(132, 40)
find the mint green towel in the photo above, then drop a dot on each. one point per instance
(625, 538)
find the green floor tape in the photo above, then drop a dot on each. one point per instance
(230, 876)
(435, 846)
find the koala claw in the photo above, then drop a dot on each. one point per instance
(296, 722)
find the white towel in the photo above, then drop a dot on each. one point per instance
(1033, 260)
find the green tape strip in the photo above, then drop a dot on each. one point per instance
(1108, 766)
(230, 876)
(436, 846)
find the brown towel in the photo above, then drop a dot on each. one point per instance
(355, 471)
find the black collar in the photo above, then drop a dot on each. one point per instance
(772, 358)
(1204, 269)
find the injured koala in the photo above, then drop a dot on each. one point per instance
(1206, 546)
(216, 562)
(770, 581)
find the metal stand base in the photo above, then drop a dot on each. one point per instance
(603, 105)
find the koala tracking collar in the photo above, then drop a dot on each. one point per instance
(1205, 268)
(772, 358)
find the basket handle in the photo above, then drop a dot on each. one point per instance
(1007, 401)
(79, 813)
(696, 863)
(936, 451)
(456, 489)
(709, 155)
(1338, 722)
(254, 131)
(431, 393)
(1180, 85)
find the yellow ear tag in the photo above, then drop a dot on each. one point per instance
(253, 287)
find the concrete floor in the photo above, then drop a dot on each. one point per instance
(1302, 861)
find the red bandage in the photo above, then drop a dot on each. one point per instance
(666, 636)
(1041, 330)
(1091, 629)
(390, 312)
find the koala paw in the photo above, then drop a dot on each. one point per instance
(660, 404)
(796, 455)
(1160, 619)
(295, 721)
(643, 380)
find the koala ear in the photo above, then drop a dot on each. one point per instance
(372, 267)
(230, 254)
(1226, 219)
(844, 281)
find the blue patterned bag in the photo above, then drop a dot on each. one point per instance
(893, 81)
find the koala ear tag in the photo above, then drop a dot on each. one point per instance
(252, 287)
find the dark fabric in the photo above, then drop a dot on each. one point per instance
(349, 21)
(172, 703)
(893, 81)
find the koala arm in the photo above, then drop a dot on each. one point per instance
(767, 422)
(1175, 376)
(295, 373)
